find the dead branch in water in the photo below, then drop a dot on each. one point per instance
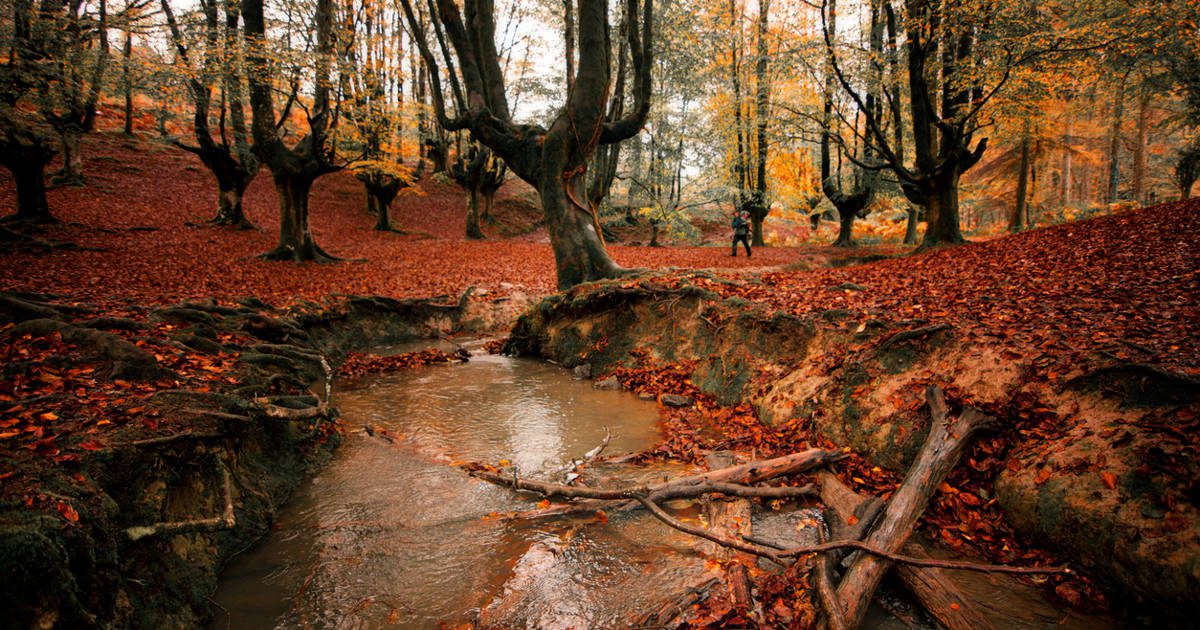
(936, 591)
(943, 447)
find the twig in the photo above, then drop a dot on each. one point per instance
(285, 413)
(170, 439)
(207, 525)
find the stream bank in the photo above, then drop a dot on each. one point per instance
(1076, 468)
(143, 447)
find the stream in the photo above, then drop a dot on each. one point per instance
(391, 534)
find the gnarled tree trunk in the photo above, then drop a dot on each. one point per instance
(295, 239)
(28, 166)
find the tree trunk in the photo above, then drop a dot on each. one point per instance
(231, 186)
(941, 213)
(488, 197)
(1017, 219)
(71, 173)
(30, 181)
(756, 227)
(295, 240)
(382, 208)
(473, 230)
(910, 229)
(1114, 144)
(579, 253)
(1139, 149)
(845, 237)
(127, 82)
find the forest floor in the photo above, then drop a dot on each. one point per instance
(1125, 286)
(140, 233)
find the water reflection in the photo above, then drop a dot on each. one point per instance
(389, 534)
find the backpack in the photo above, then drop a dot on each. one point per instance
(739, 226)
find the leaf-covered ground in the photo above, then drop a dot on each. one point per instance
(140, 226)
(1125, 287)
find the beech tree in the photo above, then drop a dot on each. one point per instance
(26, 141)
(76, 55)
(852, 202)
(295, 168)
(553, 160)
(481, 173)
(371, 54)
(232, 163)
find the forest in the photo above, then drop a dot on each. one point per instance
(586, 313)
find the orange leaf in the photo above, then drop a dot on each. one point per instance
(543, 504)
(68, 512)
(1110, 480)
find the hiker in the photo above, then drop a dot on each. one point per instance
(741, 232)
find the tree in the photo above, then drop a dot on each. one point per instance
(26, 142)
(553, 160)
(233, 165)
(1187, 169)
(374, 116)
(958, 57)
(481, 174)
(855, 202)
(293, 169)
(757, 204)
(75, 49)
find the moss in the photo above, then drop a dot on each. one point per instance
(725, 379)
(36, 579)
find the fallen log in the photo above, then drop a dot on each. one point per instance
(731, 517)
(943, 447)
(934, 589)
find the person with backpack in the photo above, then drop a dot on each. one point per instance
(741, 232)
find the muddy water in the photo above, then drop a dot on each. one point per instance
(390, 534)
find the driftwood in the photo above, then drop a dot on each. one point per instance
(731, 517)
(218, 523)
(730, 481)
(935, 590)
(943, 447)
(826, 591)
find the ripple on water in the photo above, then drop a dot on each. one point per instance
(390, 534)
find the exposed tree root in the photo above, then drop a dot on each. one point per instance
(207, 525)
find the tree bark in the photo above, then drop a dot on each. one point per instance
(473, 230)
(760, 207)
(943, 447)
(1018, 218)
(29, 177)
(1139, 148)
(941, 219)
(127, 81)
(71, 173)
(295, 240)
(936, 590)
(1114, 144)
(910, 229)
